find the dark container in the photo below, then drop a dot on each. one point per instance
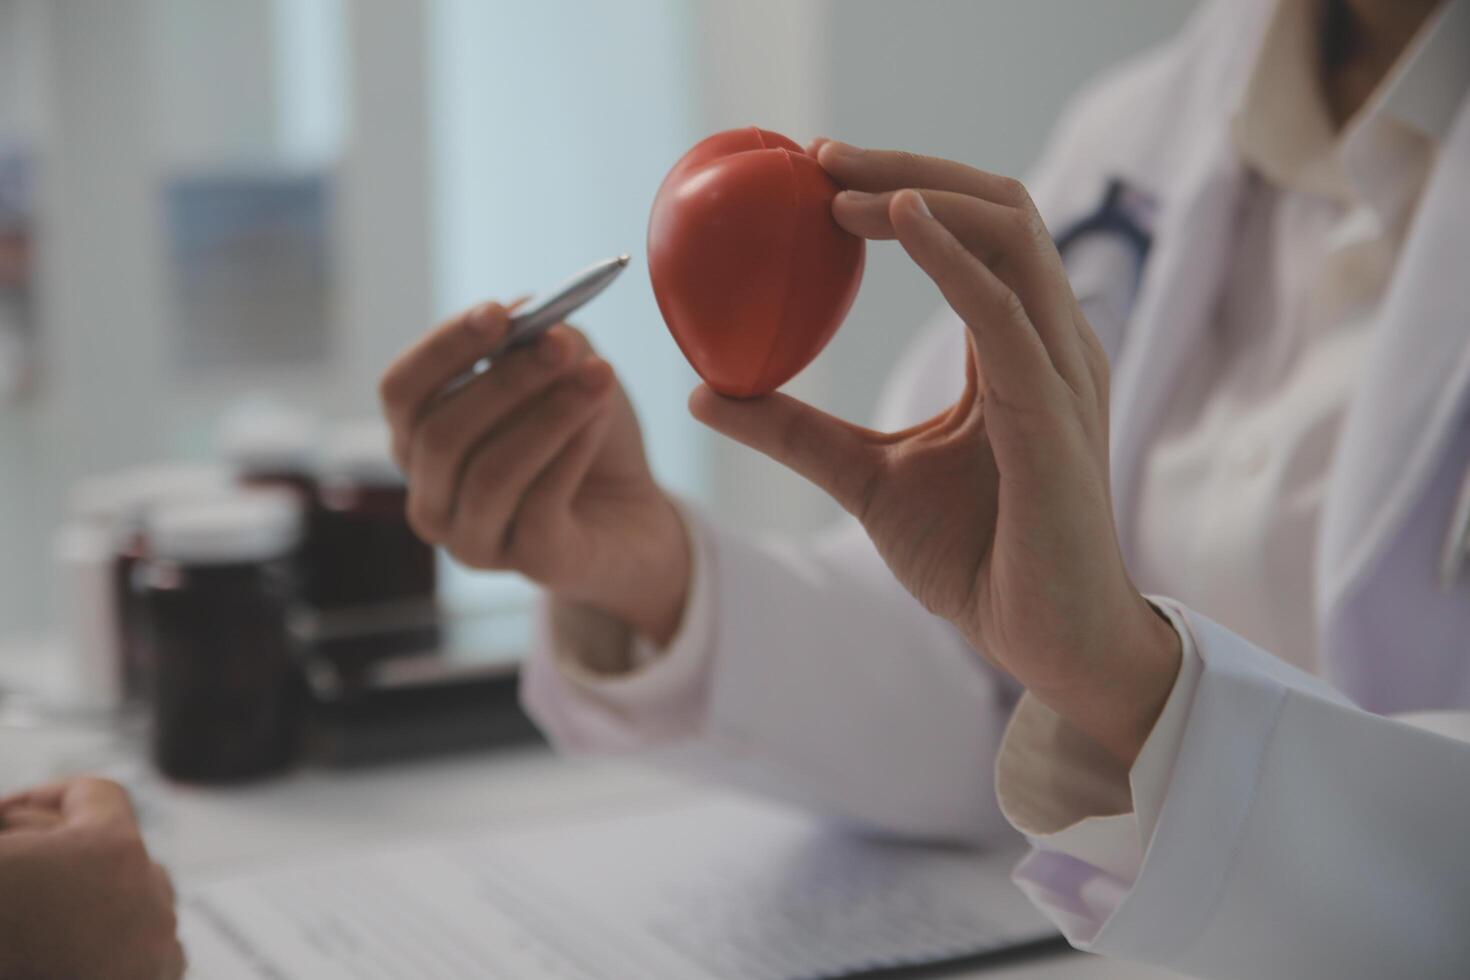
(218, 588)
(362, 552)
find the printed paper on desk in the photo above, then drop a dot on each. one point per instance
(718, 888)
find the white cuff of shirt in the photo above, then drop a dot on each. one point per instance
(602, 659)
(1069, 796)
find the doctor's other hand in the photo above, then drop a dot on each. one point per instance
(995, 514)
(537, 466)
(79, 894)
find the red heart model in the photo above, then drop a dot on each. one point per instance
(751, 273)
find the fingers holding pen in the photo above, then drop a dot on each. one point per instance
(507, 462)
(417, 374)
(442, 438)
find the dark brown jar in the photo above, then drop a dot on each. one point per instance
(218, 586)
(117, 505)
(362, 551)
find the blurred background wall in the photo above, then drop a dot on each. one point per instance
(458, 149)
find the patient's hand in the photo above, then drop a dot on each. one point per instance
(79, 894)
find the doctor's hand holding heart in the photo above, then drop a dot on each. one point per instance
(996, 513)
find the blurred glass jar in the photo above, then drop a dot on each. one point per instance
(218, 587)
(96, 551)
(362, 552)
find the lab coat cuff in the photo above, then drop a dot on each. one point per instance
(1050, 777)
(1070, 798)
(1231, 696)
(1057, 786)
(590, 672)
(1076, 803)
(639, 674)
(1148, 780)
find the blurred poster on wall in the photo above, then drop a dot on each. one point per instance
(250, 257)
(17, 274)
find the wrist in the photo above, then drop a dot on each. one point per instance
(1137, 672)
(659, 598)
(648, 593)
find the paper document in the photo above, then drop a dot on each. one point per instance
(718, 888)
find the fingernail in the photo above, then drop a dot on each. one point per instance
(844, 151)
(919, 204)
(857, 197)
(549, 350)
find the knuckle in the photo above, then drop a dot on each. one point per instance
(909, 161)
(1011, 306)
(121, 850)
(1035, 423)
(1027, 227)
(580, 341)
(467, 330)
(482, 479)
(424, 517)
(1014, 193)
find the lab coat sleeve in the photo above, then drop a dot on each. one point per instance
(593, 686)
(1276, 830)
(811, 676)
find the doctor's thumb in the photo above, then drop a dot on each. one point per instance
(840, 458)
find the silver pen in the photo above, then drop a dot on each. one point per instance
(542, 313)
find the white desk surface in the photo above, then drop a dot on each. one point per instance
(202, 833)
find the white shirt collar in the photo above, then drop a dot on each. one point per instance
(1284, 130)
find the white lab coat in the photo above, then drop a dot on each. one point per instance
(1303, 833)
